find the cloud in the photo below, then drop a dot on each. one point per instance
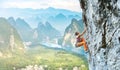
(36, 4)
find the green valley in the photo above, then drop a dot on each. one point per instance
(39, 55)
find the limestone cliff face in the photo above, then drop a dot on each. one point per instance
(102, 19)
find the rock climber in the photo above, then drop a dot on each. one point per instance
(80, 41)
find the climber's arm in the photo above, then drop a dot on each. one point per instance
(83, 32)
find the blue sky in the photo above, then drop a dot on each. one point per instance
(37, 4)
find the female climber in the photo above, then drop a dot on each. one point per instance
(80, 40)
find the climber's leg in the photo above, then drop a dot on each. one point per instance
(82, 44)
(85, 45)
(79, 44)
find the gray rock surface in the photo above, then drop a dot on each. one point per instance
(102, 19)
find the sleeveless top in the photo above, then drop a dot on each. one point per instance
(79, 39)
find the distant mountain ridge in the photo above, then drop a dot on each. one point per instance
(43, 32)
(10, 40)
(34, 16)
(44, 13)
(69, 38)
(46, 32)
(22, 27)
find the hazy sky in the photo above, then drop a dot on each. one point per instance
(36, 4)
